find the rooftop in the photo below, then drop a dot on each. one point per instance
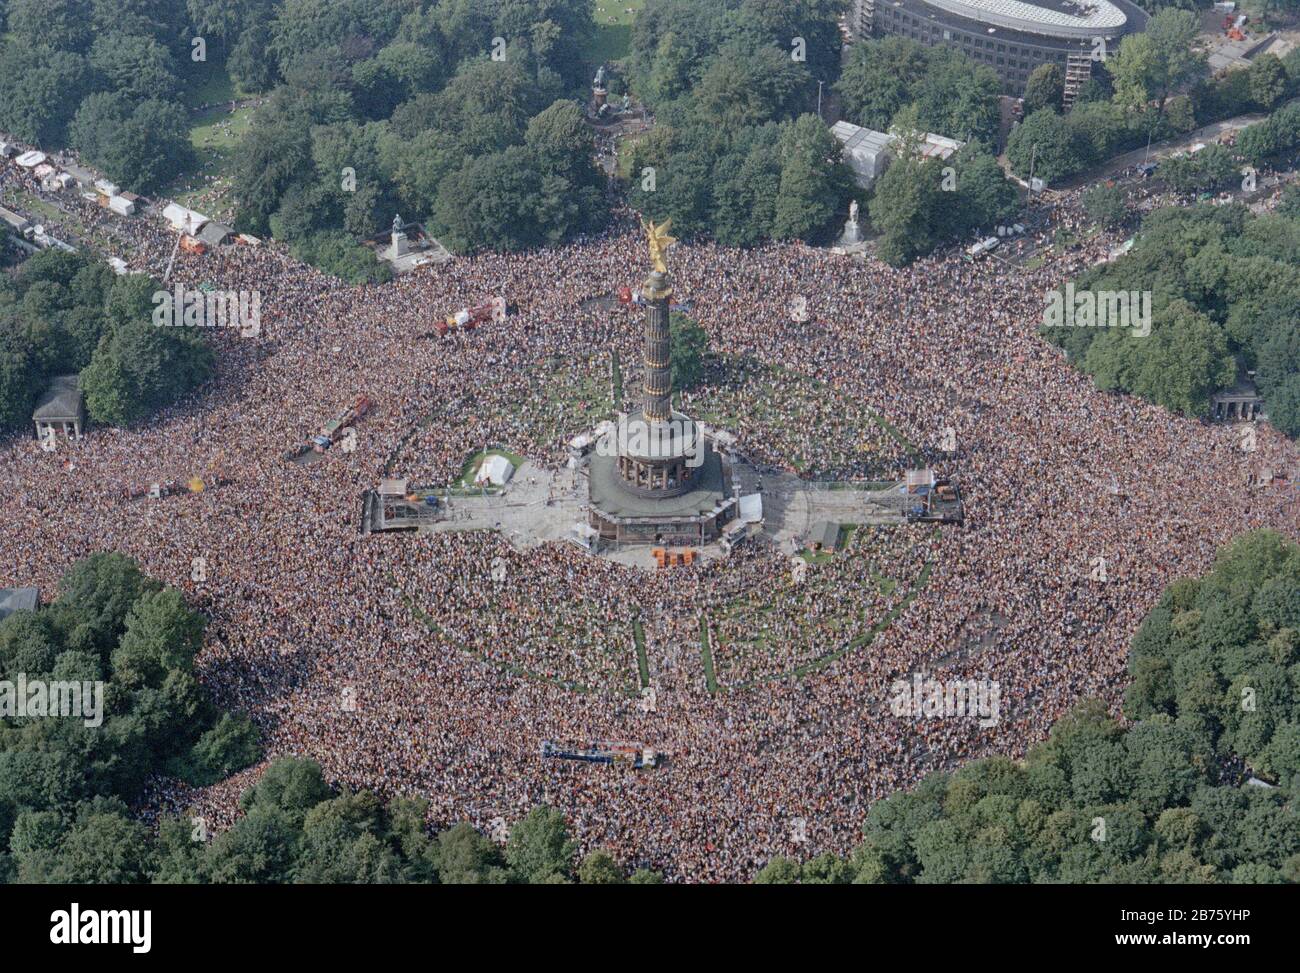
(1034, 24)
(18, 599)
(1067, 15)
(610, 497)
(61, 401)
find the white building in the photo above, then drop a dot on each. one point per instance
(868, 152)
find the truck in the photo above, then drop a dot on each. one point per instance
(469, 318)
(635, 755)
(978, 250)
(332, 431)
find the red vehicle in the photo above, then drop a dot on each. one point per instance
(471, 317)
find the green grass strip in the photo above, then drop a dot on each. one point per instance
(706, 655)
(642, 662)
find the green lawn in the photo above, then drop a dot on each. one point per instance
(642, 661)
(613, 34)
(214, 135)
(706, 657)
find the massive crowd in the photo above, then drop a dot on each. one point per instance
(401, 665)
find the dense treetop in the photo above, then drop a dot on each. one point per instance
(1225, 288)
(1214, 696)
(65, 313)
(65, 785)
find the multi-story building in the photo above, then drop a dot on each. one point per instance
(1013, 37)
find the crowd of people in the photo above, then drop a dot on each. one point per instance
(404, 665)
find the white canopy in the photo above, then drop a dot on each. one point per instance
(496, 470)
(183, 219)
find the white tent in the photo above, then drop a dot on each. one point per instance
(496, 470)
(751, 508)
(183, 219)
(30, 160)
(866, 151)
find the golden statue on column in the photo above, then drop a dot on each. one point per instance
(660, 241)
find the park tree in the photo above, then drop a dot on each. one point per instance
(743, 87)
(878, 79)
(600, 868)
(1152, 65)
(139, 368)
(1268, 82)
(479, 205)
(748, 182)
(161, 634)
(1106, 205)
(539, 849)
(267, 164)
(135, 66)
(487, 105)
(814, 187)
(1045, 143)
(462, 856)
(141, 144)
(778, 871)
(958, 97)
(38, 96)
(61, 25)
(230, 745)
(984, 196)
(95, 597)
(1045, 88)
(560, 139)
(291, 785)
(1209, 169)
(19, 382)
(102, 847)
(905, 209)
(1258, 142)
(251, 65)
(344, 842)
(261, 848)
(225, 19)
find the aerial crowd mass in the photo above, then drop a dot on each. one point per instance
(401, 665)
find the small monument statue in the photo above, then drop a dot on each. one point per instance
(600, 77)
(852, 235)
(400, 247)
